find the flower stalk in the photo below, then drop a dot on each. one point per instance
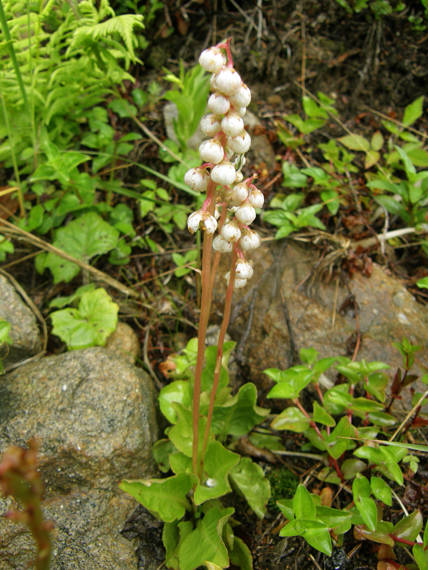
(227, 212)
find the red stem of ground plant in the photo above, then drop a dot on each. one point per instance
(315, 427)
(220, 343)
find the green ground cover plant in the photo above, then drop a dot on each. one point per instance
(350, 424)
(5, 340)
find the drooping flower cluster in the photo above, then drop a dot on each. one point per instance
(230, 199)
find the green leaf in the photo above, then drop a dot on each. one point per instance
(355, 142)
(365, 505)
(320, 416)
(178, 391)
(303, 504)
(336, 520)
(413, 111)
(205, 543)
(122, 108)
(421, 556)
(238, 415)
(372, 157)
(251, 482)
(60, 302)
(352, 466)
(290, 382)
(423, 283)
(165, 498)
(377, 141)
(161, 450)
(82, 238)
(218, 463)
(291, 419)
(88, 325)
(4, 332)
(293, 177)
(410, 526)
(240, 554)
(339, 440)
(315, 533)
(381, 490)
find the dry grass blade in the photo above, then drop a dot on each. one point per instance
(18, 233)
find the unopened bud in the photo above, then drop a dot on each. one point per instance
(256, 198)
(232, 124)
(241, 143)
(211, 151)
(249, 240)
(227, 81)
(212, 59)
(203, 220)
(223, 173)
(242, 97)
(197, 179)
(244, 270)
(220, 244)
(230, 231)
(245, 214)
(210, 125)
(218, 104)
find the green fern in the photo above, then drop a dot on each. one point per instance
(70, 57)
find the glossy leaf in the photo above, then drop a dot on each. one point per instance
(205, 544)
(178, 391)
(410, 526)
(303, 504)
(365, 505)
(320, 416)
(336, 520)
(290, 382)
(165, 498)
(219, 462)
(240, 414)
(250, 479)
(315, 533)
(421, 556)
(381, 490)
(291, 419)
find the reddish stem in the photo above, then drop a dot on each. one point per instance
(220, 343)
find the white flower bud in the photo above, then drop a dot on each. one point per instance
(238, 284)
(212, 59)
(227, 81)
(239, 176)
(218, 104)
(201, 219)
(245, 214)
(232, 124)
(242, 97)
(241, 111)
(241, 143)
(209, 224)
(230, 231)
(223, 174)
(197, 179)
(220, 244)
(249, 240)
(210, 125)
(256, 198)
(239, 193)
(244, 270)
(212, 151)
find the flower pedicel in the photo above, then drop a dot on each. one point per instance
(220, 176)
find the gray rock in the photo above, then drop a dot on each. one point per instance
(26, 340)
(124, 343)
(94, 417)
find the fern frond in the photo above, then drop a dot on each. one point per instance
(121, 25)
